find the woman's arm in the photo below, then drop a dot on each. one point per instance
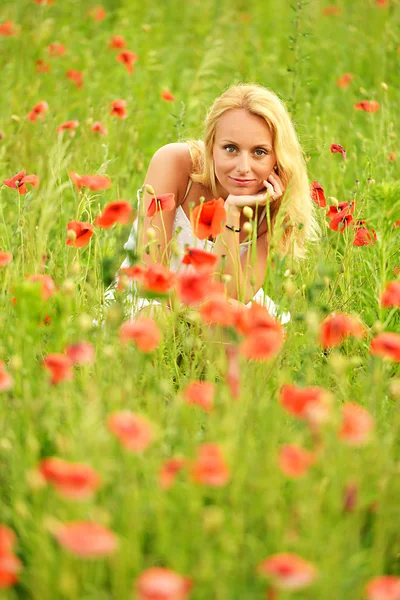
(167, 173)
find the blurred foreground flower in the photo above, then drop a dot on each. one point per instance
(118, 109)
(200, 393)
(5, 258)
(391, 295)
(167, 96)
(288, 571)
(367, 105)
(39, 110)
(78, 233)
(117, 42)
(158, 583)
(357, 424)
(336, 327)
(295, 461)
(143, 331)
(73, 480)
(127, 58)
(161, 203)
(311, 404)
(6, 381)
(68, 125)
(98, 127)
(201, 261)
(386, 345)
(46, 284)
(60, 367)
(133, 431)
(7, 29)
(81, 353)
(94, 182)
(344, 80)
(76, 77)
(10, 565)
(56, 49)
(86, 539)
(385, 587)
(114, 212)
(20, 180)
(169, 470)
(210, 468)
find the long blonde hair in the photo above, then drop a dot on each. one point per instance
(299, 224)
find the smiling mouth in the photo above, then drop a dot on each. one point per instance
(242, 180)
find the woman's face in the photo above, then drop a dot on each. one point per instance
(243, 152)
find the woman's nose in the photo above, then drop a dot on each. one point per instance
(243, 163)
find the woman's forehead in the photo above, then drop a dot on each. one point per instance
(239, 125)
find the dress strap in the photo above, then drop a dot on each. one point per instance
(262, 216)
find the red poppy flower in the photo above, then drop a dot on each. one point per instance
(42, 67)
(76, 77)
(117, 42)
(10, 565)
(364, 236)
(118, 109)
(391, 295)
(134, 272)
(210, 467)
(167, 96)
(385, 587)
(47, 285)
(56, 49)
(143, 331)
(85, 539)
(309, 403)
(356, 425)
(81, 353)
(261, 344)
(6, 381)
(294, 461)
(338, 326)
(207, 218)
(169, 471)
(340, 216)
(218, 311)
(97, 13)
(392, 156)
(83, 232)
(38, 110)
(344, 80)
(318, 194)
(60, 367)
(99, 127)
(73, 480)
(386, 345)
(200, 393)
(202, 261)
(7, 28)
(161, 203)
(5, 258)
(7, 540)
(193, 288)
(20, 180)
(382, 2)
(44, 2)
(68, 125)
(396, 224)
(329, 11)
(367, 105)
(288, 571)
(114, 212)
(158, 583)
(133, 431)
(338, 148)
(158, 279)
(127, 58)
(94, 182)
(256, 317)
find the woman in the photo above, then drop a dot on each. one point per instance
(250, 157)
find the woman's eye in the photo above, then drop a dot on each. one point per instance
(229, 147)
(262, 152)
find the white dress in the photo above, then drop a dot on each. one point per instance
(186, 236)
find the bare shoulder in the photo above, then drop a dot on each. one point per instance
(173, 162)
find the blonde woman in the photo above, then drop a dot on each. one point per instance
(250, 157)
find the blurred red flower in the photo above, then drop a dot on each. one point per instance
(167, 96)
(193, 287)
(20, 180)
(338, 148)
(396, 271)
(309, 403)
(254, 318)
(133, 431)
(5, 258)
(85, 539)
(294, 461)
(340, 216)
(99, 127)
(118, 109)
(83, 232)
(81, 353)
(157, 279)
(114, 212)
(70, 125)
(207, 218)
(38, 110)
(76, 77)
(210, 468)
(357, 424)
(318, 194)
(338, 326)
(10, 565)
(202, 261)
(158, 583)
(42, 67)
(331, 10)
(47, 285)
(367, 105)
(97, 13)
(200, 393)
(391, 294)
(60, 367)
(73, 480)
(143, 331)
(392, 156)
(261, 344)
(386, 345)
(7, 29)
(169, 470)
(94, 182)
(288, 571)
(218, 311)
(364, 236)
(117, 42)
(6, 381)
(385, 587)
(56, 49)
(127, 58)
(161, 203)
(44, 2)
(344, 80)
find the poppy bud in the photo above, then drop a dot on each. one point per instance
(71, 235)
(371, 181)
(290, 288)
(394, 388)
(68, 287)
(146, 27)
(151, 233)
(333, 200)
(114, 315)
(247, 227)
(377, 327)
(213, 518)
(384, 86)
(16, 362)
(226, 278)
(75, 269)
(248, 212)
(338, 363)
(149, 189)
(85, 322)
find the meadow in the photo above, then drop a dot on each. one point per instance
(181, 460)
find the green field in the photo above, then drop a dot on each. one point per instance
(337, 504)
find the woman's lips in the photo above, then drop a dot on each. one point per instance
(242, 182)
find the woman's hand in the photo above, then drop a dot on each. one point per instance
(273, 185)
